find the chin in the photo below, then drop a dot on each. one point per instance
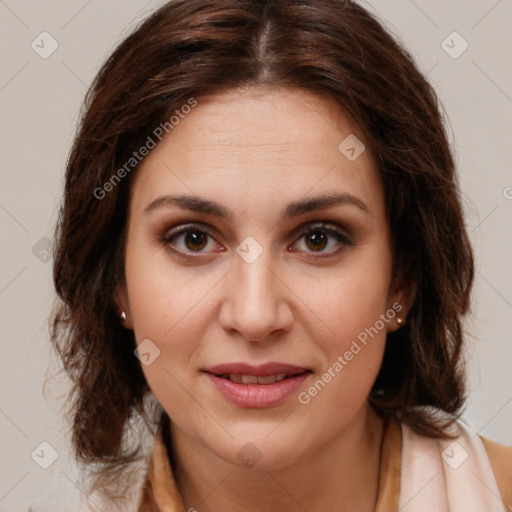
(260, 453)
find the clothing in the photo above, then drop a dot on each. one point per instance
(417, 474)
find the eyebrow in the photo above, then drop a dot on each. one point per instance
(295, 209)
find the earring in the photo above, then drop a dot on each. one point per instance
(123, 316)
(399, 320)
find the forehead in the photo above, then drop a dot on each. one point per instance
(260, 121)
(259, 144)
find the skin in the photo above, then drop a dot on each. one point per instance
(255, 151)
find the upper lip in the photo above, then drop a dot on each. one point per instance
(261, 370)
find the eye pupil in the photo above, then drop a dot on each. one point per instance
(318, 239)
(195, 241)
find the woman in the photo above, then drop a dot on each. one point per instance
(262, 236)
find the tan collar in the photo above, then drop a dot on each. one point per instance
(161, 493)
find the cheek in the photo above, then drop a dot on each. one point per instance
(173, 319)
(163, 296)
(353, 305)
(347, 302)
(166, 308)
(353, 349)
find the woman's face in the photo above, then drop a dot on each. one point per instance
(249, 264)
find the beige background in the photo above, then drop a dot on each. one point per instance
(39, 102)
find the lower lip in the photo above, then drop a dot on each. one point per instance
(258, 395)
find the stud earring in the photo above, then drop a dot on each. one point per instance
(123, 316)
(399, 320)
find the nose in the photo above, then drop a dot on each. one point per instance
(257, 301)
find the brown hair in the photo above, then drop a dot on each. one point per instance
(333, 48)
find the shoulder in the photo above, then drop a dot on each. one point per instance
(500, 458)
(463, 471)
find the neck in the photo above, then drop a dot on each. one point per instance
(342, 475)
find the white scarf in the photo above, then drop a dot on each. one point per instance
(447, 475)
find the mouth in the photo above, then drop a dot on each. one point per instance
(238, 378)
(257, 386)
(268, 373)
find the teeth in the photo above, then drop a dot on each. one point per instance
(253, 379)
(268, 379)
(249, 379)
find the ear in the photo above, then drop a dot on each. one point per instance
(123, 306)
(400, 300)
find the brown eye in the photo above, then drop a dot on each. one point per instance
(189, 239)
(321, 236)
(316, 241)
(195, 240)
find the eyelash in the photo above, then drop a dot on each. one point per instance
(324, 227)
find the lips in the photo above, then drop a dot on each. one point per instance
(257, 386)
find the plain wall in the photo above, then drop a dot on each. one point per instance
(40, 101)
